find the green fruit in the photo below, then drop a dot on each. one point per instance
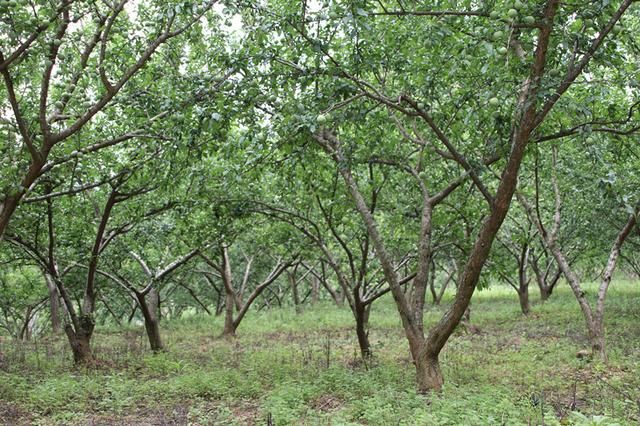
(512, 13)
(529, 20)
(333, 14)
(322, 119)
(494, 101)
(518, 4)
(502, 50)
(59, 105)
(494, 15)
(617, 29)
(554, 73)
(591, 139)
(498, 35)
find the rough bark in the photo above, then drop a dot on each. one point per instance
(149, 307)
(428, 373)
(80, 339)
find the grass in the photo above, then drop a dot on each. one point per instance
(304, 369)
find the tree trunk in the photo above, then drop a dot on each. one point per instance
(229, 329)
(545, 292)
(230, 295)
(362, 324)
(467, 314)
(219, 305)
(523, 296)
(229, 326)
(546, 284)
(54, 304)
(132, 315)
(523, 280)
(80, 339)
(432, 286)
(596, 338)
(149, 307)
(25, 330)
(429, 375)
(437, 296)
(294, 291)
(315, 290)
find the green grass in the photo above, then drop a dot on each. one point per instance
(304, 369)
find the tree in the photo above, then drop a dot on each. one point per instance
(318, 209)
(40, 68)
(516, 251)
(147, 296)
(21, 300)
(594, 316)
(535, 50)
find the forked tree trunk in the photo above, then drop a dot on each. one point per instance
(231, 323)
(437, 295)
(545, 292)
(80, 339)
(546, 283)
(25, 330)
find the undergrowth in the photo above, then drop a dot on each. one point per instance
(291, 368)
